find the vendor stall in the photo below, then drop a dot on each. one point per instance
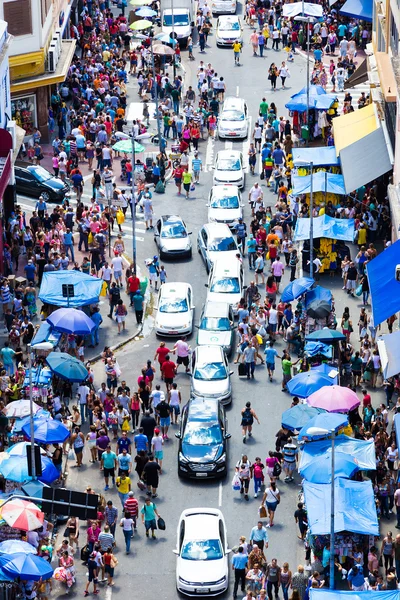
(314, 102)
(70, 288)
(362, 450)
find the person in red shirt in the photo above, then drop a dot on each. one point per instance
(161, 354)
(366, 398)
(168, 369)
(133, 285)
(177, 175)
(131, 505)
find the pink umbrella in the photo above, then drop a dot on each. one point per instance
(334, 398)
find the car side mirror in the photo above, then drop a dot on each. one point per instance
(227, 436)
(206, 285)
(178, 435)
(231, 372)
(245, 287)
(190, 232)
(176, 552)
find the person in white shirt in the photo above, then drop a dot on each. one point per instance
(257, 136)
(106, 274)
(118, 266)
(182, 350)
(255, 193)
(174, 400)
(157, 447)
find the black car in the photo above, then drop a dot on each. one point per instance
(202, 439)
(34, 180)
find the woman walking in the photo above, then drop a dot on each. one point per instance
(78, 443)
(271, 499)
(283, 74)
(243, 469)
(127, 524)
(120, 313)
(248, 416)
(272, 76)
(110, 562)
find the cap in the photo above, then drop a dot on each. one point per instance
(156, 431)
(155, 257)
(130, 494)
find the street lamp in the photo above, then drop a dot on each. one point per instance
(306, 19)
(325, 432)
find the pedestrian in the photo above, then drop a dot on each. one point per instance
(301, 519)
(110, 562)
(78, 443)
(123, 484)
(243, 469)
(92, 575)
(273, 577)
(111, 516)
(271, 499)
(248, 416)
(259, 536)
(127, 525)
(285, 579)
(239, 564)
(108, 464)
(157, 447)
(259, 267)
(187, 181)
(106, 539)
(258, 475)
(138, 303)
(249, 357)
(120, 315)
(151, 471)
(290, 457)
(149, 513)
(114, 296)
(197, 166)
(168, 369)
(132, 506)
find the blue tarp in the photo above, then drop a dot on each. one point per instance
(327, 227)
(396, 423)
(321, 182)
(360, 9)
(317, 99)
(325, 594)
(320, 470)
(314, 348)
(354, 507)
(320, 157)
(318, 293)
(362, 450)
(86, 288)
(385, 290)
(46, 333)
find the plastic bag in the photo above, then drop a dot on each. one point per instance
(359, 290)
(120, 217)
(236, 484)
(192, 187)
(104, 288)
(71, 454)
(117, 369)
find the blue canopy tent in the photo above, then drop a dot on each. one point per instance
(319, 157)
(320, 470)
(323, 420)
(359, 9)
(396, 422)
(297, 416)
(322, 181)
(315, 348)
(317, 99)
(318, 293)
(362, 450)
(354, 507)
(86, 288)
(383, 285)
(327, 227)
(325, 594)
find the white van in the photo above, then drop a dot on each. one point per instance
(226, 282)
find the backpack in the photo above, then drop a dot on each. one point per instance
(247, 417)
(277, 469)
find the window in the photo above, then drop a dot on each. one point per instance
(18, 15)
(45, 6)
(394, 37)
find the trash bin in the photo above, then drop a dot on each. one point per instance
(143, 285)
(305, 132)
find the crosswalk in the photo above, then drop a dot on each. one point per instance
(355, 93)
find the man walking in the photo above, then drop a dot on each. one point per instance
(239, 563)
(108, 464)
(290, 457)
(259, 536)
(249, 359)
(111, 516)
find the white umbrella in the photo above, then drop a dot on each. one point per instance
(20, 408)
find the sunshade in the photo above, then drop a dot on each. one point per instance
(325, 226)
(21, 448)
(388, 346)
(325, 594)
(316, 98)
(304, 384)
(14, 546)
(314, 348)
(16, 469)
(302, 8)
(383, 285)
(28, 566)
(326, 335)
(294, 418)
(20, 408)
(319, 309)
(146, 11)
(320, 470)
(34, 489)
(354, 507)
(318, 293)
(362, 450)
(22, 514)
(324, 421)
(296, 288)
(327, 370)
(139, 2)
(359, 9)
(47, 431)
(320, 156)
(163, 50)
(354, 126)
(19, 423)
(70, 320)
(125, 146)
(334, 399)
(86, 288)
(164, 37)
(321, 182)
(67, 367)
(140, 25)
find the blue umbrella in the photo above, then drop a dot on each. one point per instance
(19, 423)
(34, 489)
(164, 37)
(318, 293)
(20, 449)
(146, 11)
(14, 546)
(27, 566)
(305, 384)
(325, 420)
(67, 367)
(326, 335)
(47, 431)
(298, 416)
(326, 369)
(71, 320)
(320, 469)
(314, 348)
(296, 288)
(16, 469)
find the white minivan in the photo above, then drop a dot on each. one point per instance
(226, 282)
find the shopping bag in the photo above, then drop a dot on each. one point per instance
(236, 484)
(120, 217)
(161, 523)
(141, 485)
(262, 512)
(104, 289)
(159, 187)
(192, 187)
(90, 238)
(359, 290)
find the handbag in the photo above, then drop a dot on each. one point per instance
(236, 483)
(262, 175)
(262, 512)
(141, 485)
(359, 290)
(67, 532)
(161, 524)
(113, 562)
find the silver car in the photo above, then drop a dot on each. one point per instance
(175, 309)
(211, 374)
(214, 239)
(172, 237)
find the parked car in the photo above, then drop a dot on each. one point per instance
(217, 326)
(175, 309)
(34, 180)
(202, 565)
(211, 376)
(226, 282)
(229, 29)
(172, 237)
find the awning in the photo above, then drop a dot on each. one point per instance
(299, 8)
(388, 346)
(321, 156)
(86, 289)
(362, 450)
(360, 75)
(348, 129)
(325, 594)
(321, 182)
(383, 285)
(325, 226)
(359, 9)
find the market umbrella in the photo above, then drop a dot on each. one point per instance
(18, 425)
(47, 431)
(297, 416)
(164, 37)
(163, 50)
(20, 408)
(140, 25)
(21, 448)
(333, 399)
(22, 514)
(67, 367)
(325, 335)
(14, 546)
(146, 11)
(324, 421)
(71, 320)
(318, 293)
(329, 370)
(296, 288)
(125, 146)
(314, 348)
(16, 469)
(27, 566)
(319, 309)
(34, 489)
(304, 384)
(320, 469)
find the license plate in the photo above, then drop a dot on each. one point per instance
(232, 133)
(201, 474)
(172, 332)
(202, 590)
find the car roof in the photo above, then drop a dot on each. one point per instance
(233, 102)
(228, 154)
(226, 267)
(201, 525)
(171, 219)
(216, 309)
(203, 409)
(221, 190)
(218, 230)
(208, 354)
(174, 289)
(229, 18)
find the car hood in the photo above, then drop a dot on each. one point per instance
(210, 388)
(227, 255)
(221, 297)
(200, 571)
(228, 175)
(172, 320)
(217, 338)
(202, 454)
(225, 215)
(229, 35)
(55, 183)
(175, 243)
(181, 31)
(233, 125)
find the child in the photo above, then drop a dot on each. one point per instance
(81, 351)
(258, 475)
(163, 275)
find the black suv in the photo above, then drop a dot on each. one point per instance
(202, 439)
(34, 180)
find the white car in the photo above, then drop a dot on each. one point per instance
(211, 377)
(233, 121)
(229, 29)
(202, 566)
(222, 7)
(175, 309)
(214, 239)
(228, 168)
(226, 282)
(225, 205)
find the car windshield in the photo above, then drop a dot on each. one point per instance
(202, 550)
(41, 174)
(227, 285)
(178, 20)
(173, 230)
(198, 433)
(229, 26)
(225, 202)
(232, 115)
(178, 305)
(222, 244)
(215, 324)
(215, 371)
(228, 164)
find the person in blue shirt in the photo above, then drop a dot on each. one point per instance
(30, 271)
(123, 443)
(251, 250)
(97, 320)
(317, 54)
(239, 563)
(69, 244)
(140, 441)
(270, 354)
(278, 156)
(266, 151)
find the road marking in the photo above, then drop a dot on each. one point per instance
(220, 494)
(237, 91)
(129, 236)
(108, 594)
(209, 154)
(228, 145)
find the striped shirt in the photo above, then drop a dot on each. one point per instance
(132, 506)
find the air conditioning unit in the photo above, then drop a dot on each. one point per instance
(12, 130)
(52, 59)
(58, 33)
(55, 41)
